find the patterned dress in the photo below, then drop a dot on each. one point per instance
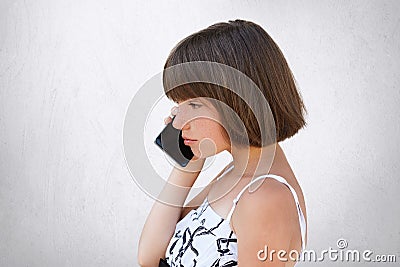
(205, 239)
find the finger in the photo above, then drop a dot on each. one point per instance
(167, 120)
(174, 111)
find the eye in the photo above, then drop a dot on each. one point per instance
(194, 105)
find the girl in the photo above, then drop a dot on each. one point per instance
(253, 213)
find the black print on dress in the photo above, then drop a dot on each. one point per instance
(196, 215)
(183, 245)
(224, 252)
(187, 243)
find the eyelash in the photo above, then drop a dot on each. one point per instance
(194, 106)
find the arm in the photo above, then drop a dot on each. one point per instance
(264, 219)
(161, 221)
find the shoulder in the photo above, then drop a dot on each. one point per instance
(270, 204)
(264, 217)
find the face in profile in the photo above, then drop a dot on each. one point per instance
(201, 127)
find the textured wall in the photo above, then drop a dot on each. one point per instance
(68, 70)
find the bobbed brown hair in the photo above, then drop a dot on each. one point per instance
(247, 47)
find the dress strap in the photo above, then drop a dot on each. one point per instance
(302, 220)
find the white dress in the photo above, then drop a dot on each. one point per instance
(204, 239)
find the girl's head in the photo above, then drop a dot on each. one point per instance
(247, 47)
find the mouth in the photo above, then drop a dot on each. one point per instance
(188, 141)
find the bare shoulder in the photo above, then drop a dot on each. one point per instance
(264, 217)
(271, 203)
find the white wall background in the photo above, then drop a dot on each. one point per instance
(68, 70)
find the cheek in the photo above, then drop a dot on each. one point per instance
(211, 137)
(214, 131)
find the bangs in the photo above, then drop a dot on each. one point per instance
(191, 90)
(181, 93)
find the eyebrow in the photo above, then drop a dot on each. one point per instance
(198, 99)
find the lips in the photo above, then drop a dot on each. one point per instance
(189, 139)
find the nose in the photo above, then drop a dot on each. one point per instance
(180, 122)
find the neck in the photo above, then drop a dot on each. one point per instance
(252, 161)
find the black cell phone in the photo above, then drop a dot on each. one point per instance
(171, 142)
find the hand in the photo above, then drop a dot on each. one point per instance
(174, 111)
(196, 163)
